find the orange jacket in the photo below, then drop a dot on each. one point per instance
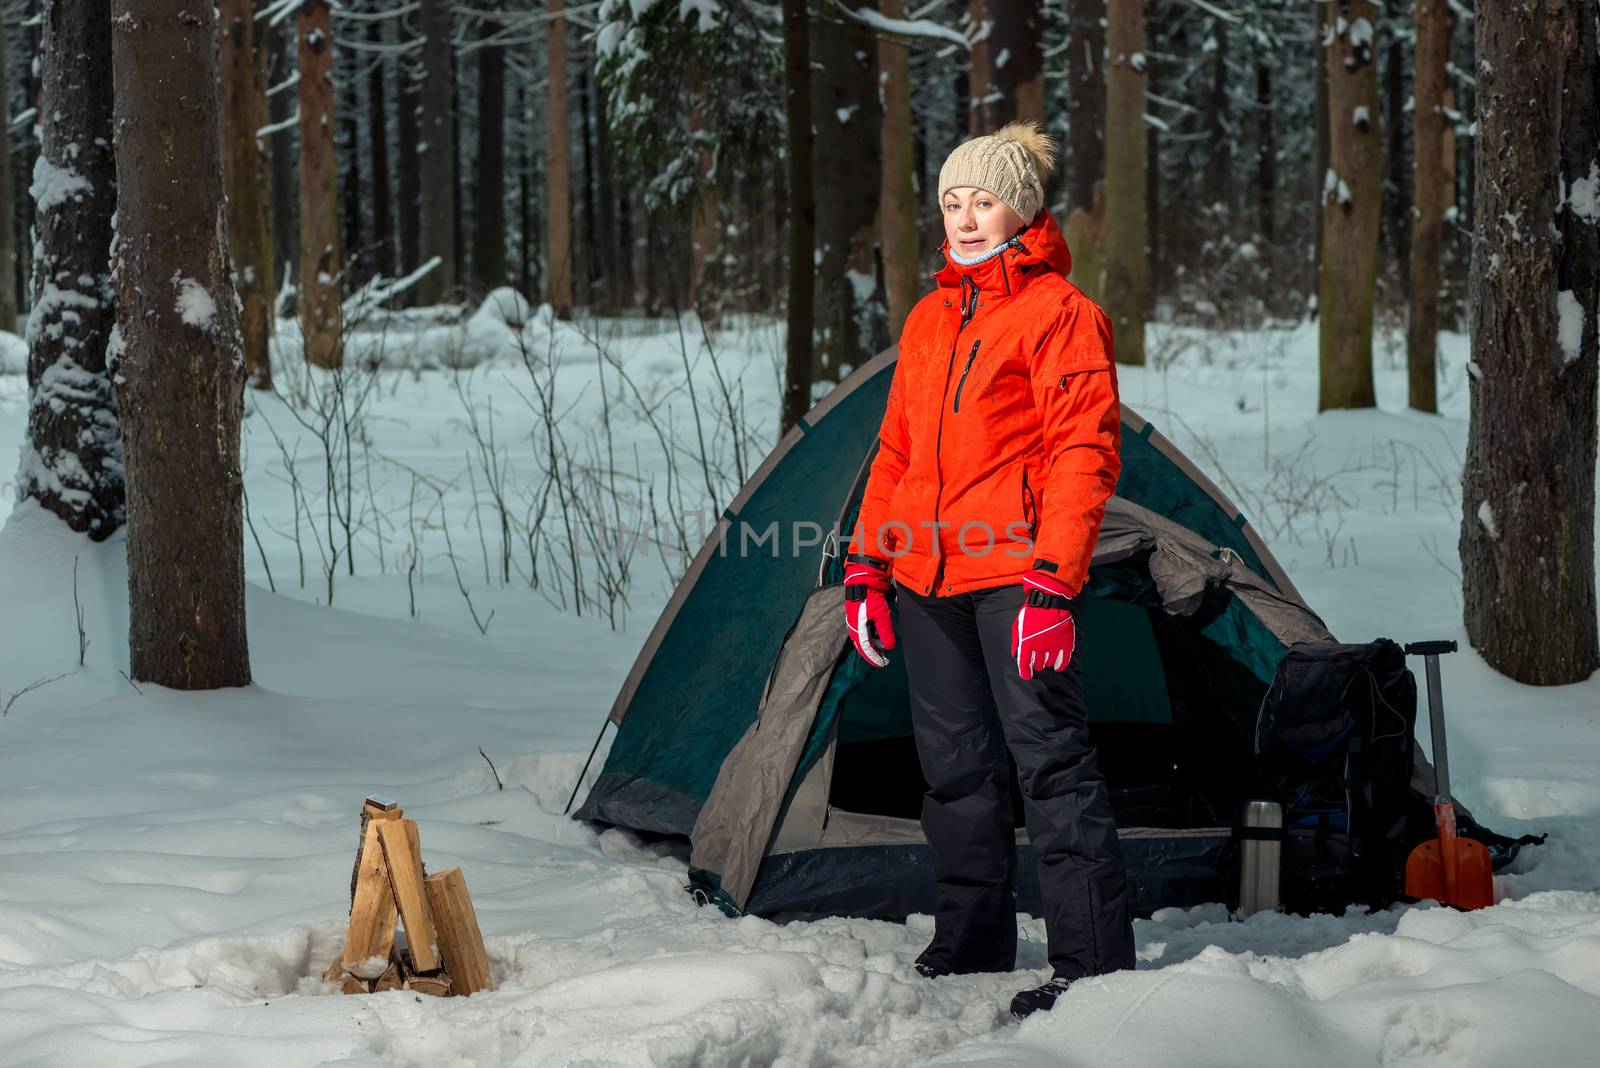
(1000, 440)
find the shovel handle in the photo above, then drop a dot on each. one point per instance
(1445, 813)
(1430, 652)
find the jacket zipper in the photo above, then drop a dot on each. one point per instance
(969, 308)
(970, 357)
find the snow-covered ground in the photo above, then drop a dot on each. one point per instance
(174, 868)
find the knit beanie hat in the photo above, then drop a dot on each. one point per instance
(1012, 163)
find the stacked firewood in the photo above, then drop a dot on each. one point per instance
(443, 950)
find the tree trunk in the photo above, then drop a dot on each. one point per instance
(612, 249)
(1126, 264)
(285, 198)
(584, 255)
(1319, 170)
(25, 163)
(1266, 155)
(705, 230)
(1007, 65)
(436, 215)
(408, 180)
(72, 462)
(489, 246)
(1396, 190)
(1157, 268)
(8, 232)
(320, 298)
(525, 221)
(1086, 101)
(1527, 502)
(1219, 166)
(356, 255)
(1351, 202)
(247, 194)
(180, 375)
(269, 282)
(1429, 196)
(463, 267)
(383, 243)
(1086, 237)
(802, 212)
(897, 200)
(848, 128)
(558, 171)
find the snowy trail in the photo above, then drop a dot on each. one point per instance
(174, 867)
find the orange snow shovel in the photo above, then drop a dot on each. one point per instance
(1452, 871)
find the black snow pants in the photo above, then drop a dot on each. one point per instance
(968, 704)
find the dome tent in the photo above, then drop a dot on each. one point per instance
(749, 727)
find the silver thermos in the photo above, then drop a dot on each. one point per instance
(1260, 856)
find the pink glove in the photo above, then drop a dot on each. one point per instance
(1043, 634)
(866, 609)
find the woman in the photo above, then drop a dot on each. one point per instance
(998, 451)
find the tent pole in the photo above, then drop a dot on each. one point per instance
(592, 751)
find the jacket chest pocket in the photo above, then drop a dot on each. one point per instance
(987, 373)
(966, 371)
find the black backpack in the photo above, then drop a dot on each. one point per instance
(1334, 747)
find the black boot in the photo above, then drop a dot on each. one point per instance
(927, 968)
(1039, 998)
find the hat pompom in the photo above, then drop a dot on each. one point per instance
(1040, 145)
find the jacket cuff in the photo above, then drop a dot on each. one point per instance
(870, 561)
(1052, 569)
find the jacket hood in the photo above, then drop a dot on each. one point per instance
(1041, 242)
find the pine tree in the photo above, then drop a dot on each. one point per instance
(8, 233)
(1351, 202)
(179, 361)
(1429, 195)
(241, 167)
(897, 201)
(1528, 486)
(558, 173)
(435, 211)
(321, 297)
(73, 462)
(1126, 264)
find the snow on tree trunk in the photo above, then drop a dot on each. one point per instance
(1125, 260)
(897, 198)
(179, 360)
(320, 290)
(72, 459)
(1429, 196)
(436, 220)
(1351, 206)
(241, 168)
(1529, 582)
(8, 236)
(846, 168)
(383, 243)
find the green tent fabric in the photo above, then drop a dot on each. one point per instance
(797, 813)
